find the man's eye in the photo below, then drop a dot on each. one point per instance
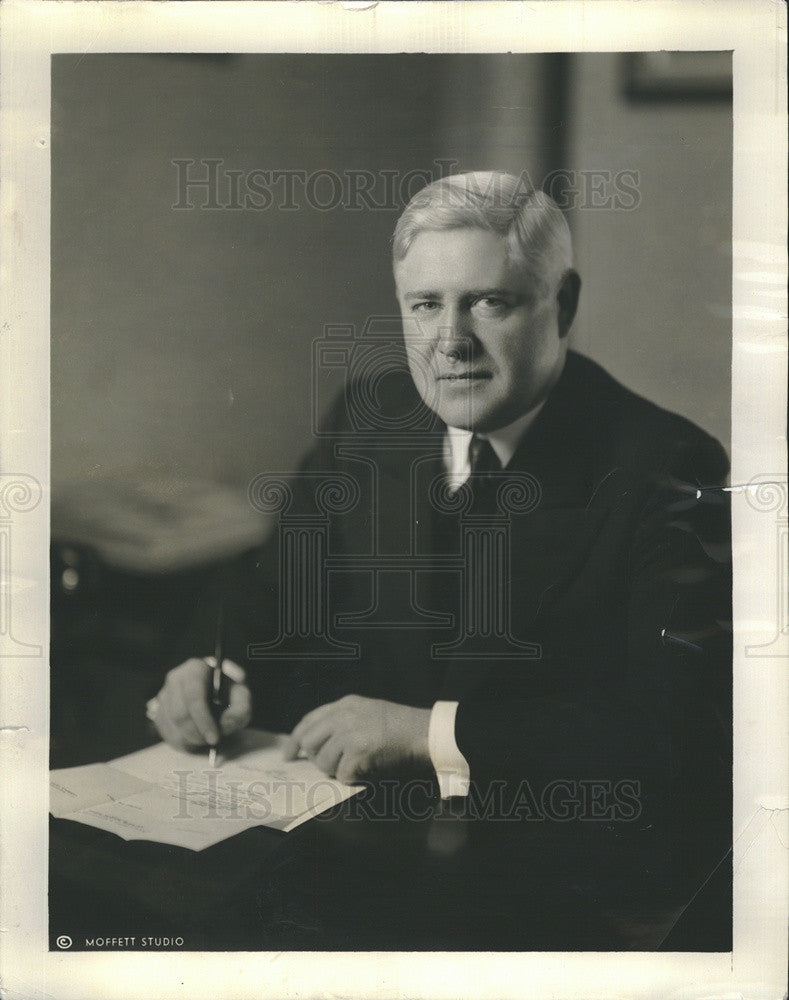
(424, 306)
(490, 304)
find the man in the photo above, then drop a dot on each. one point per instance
(614, 662)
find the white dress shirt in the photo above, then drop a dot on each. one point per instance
(450, 765)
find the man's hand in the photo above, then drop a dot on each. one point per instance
(180, 710)
(357, 738)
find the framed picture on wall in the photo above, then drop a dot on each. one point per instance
(677, 75)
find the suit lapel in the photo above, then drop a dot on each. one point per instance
(548, 543)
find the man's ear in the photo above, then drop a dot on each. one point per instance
(567, 299)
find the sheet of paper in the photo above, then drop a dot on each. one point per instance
(172, 796)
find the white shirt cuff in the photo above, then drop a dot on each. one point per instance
(451, 767)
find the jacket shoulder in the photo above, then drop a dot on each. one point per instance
(385, 401)
(638, 435)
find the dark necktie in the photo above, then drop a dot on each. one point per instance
(484, 464)
(482, 458)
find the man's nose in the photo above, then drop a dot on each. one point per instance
(454, 335)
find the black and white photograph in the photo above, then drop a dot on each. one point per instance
(392, 469)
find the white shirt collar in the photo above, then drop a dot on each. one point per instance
(504, 442)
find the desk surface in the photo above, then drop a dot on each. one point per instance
(363, 877)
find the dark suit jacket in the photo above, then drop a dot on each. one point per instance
(618, 577)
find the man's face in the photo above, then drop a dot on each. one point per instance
(482, 338)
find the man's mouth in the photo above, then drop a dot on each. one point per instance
(464, 376)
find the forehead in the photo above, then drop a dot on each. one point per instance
(456, 260)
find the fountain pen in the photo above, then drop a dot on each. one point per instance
(218, 684)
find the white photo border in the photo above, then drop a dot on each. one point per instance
(756, 32)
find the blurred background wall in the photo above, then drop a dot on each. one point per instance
(656, 304)
(181, 338)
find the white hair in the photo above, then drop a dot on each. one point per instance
(531, 223)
